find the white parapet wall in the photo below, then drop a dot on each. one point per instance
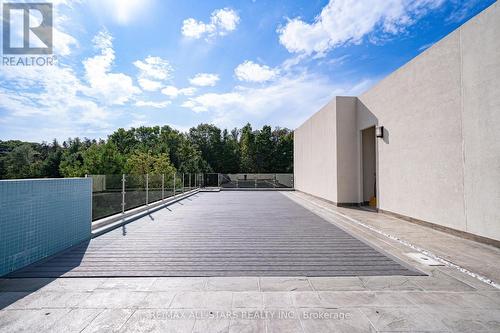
(439, 160)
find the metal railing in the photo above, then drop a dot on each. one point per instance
(113, 194)
(256, 180)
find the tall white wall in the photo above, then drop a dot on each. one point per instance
(315, 167)
(347, 151)
(420, 164)
(441, 160)
(480, 50)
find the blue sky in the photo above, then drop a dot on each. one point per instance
(155, 62)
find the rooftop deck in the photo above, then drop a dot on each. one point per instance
(224, 234)
(444, 300)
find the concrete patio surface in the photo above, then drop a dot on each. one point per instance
(446, 300)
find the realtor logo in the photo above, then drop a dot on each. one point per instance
(27, 28)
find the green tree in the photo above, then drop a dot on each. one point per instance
(264, 150)
(152, 149)
(124, 140)
(148, 139)
(208, 139)
(102, 159)
(141, 163)
(171, 140)
(230, 155)
(247, 149)
(52, 160)
(72, 159)
(20, 162)
(191, 160)
(283, 156)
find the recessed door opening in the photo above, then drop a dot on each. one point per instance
(369, 167)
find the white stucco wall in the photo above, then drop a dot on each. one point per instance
(480, 47)
(440, 158)
(347, 151)
(441, 161)
(420, 163)
(315, 167)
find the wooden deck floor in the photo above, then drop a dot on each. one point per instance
(223, 234)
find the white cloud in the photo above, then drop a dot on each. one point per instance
(158, 105)
(194, 29)
(215, 101)
(173, 92)
(58, 97)
(154, 68)
(58, 103)
(63, 42)
(194, 106)
(110, 88)
(288, 101)
(225, 20)
(152, 71)
(204, 80)
(222, 21)
(349, 21)
(149, 85)
(252, 72)
(461, 10)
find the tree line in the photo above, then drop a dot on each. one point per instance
(155, 150)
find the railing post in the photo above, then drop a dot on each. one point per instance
(183, 176)
(190, 181)
(218, 180)
(162, 186)
(147, 189)
(255, 182)
(174, 184)
(123, 193)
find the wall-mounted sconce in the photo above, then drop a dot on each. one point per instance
(379, 131)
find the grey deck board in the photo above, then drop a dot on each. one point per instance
(223, 234)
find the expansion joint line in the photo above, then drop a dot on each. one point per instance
(413, 246)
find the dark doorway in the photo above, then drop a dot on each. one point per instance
(369, 166)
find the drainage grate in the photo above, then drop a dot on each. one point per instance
(423, 259)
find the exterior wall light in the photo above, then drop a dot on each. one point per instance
(379, 131)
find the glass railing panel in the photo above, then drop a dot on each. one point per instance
(229, 180)
(284, 180)
(155, 188)
(169, 185)
(178, 183)
(210, 180)
(106, 195)
(256, 180)
(265, 180)
(135, 188)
